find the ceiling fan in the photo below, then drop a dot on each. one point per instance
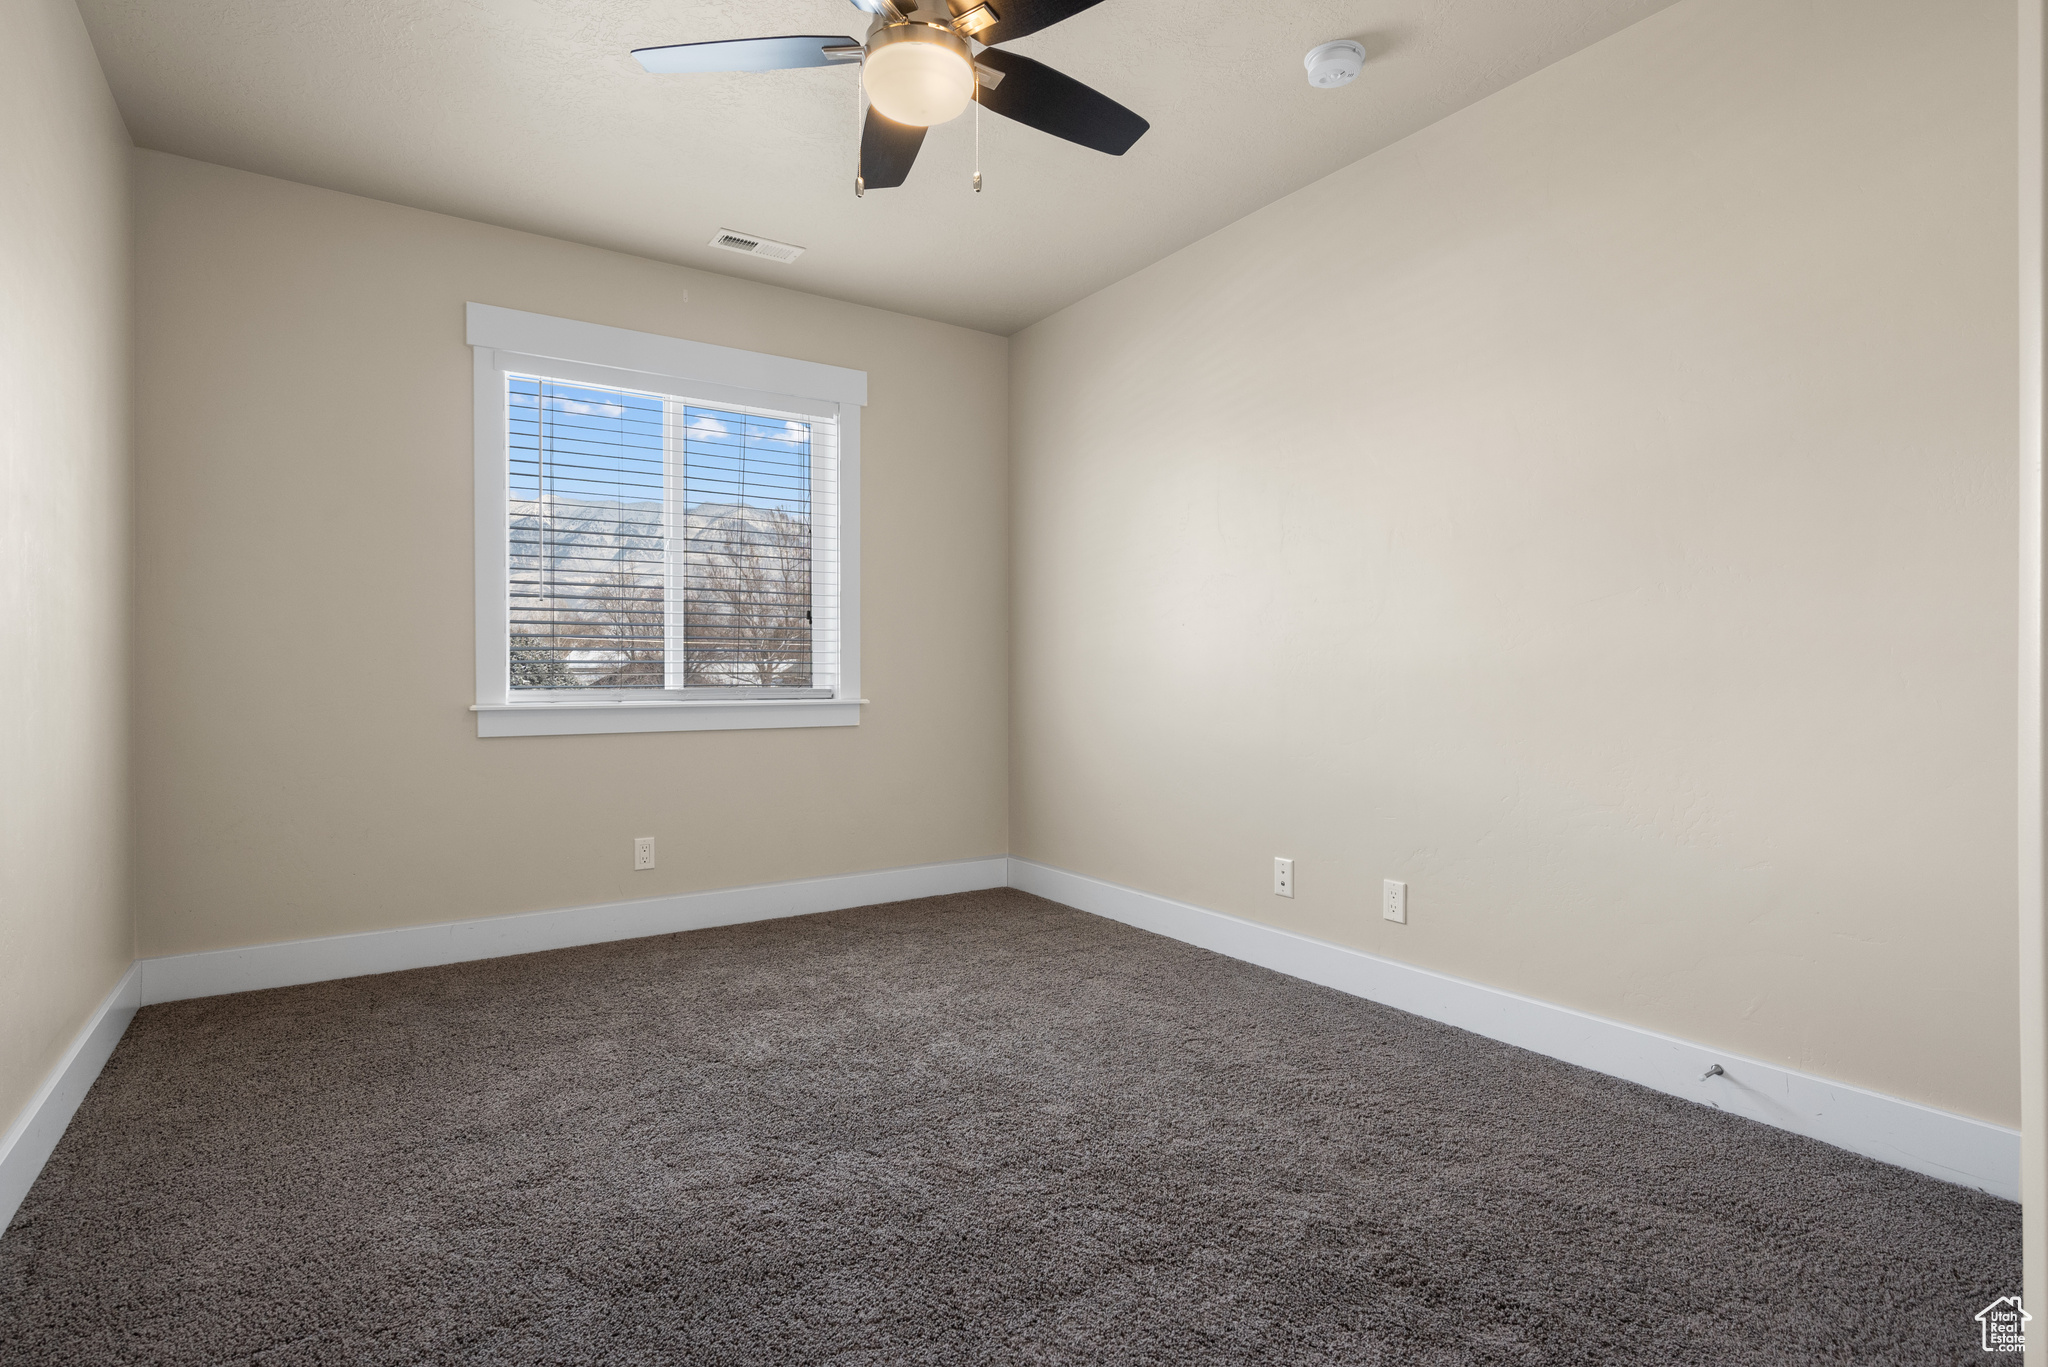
(923, 62)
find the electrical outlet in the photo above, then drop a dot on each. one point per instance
(1283, 878)
(1394, 902)
(643, 852)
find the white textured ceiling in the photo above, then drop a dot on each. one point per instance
(530, 114)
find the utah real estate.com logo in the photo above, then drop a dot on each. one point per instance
(2005, 1325)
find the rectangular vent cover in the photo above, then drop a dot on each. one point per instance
(749, 245)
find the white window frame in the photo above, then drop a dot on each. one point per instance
(508, 341)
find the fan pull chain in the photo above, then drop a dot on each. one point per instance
(977, 133)
(860, 128)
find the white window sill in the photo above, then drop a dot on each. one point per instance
(626, 715)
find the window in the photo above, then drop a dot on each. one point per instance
(666, 536)
(658, 546)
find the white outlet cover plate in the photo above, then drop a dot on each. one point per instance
(1394, 902)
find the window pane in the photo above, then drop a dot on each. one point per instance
(747, 529)
(588, 541)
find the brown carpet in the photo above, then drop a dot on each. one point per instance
(973, 1129)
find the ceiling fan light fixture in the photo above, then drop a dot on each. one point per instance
(918, 74)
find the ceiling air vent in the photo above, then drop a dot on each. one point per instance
(749, 245)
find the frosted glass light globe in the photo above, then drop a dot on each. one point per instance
(918, 75)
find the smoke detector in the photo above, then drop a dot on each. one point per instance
(1333, 64)
(750, 244)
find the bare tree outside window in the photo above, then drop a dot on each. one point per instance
(748, 618)
(624, 624)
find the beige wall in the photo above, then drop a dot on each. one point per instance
(1597, 510)
(66, 935)
(306, 764)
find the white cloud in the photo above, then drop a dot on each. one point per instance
(602, 410)
(707, 427)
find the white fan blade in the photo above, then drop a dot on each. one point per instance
(742, 54)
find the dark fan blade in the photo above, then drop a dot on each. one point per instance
(887, 148)
(742, 54)
(1033, 93)
(1015, 18)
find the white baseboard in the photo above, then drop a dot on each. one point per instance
(1954, 1148)
(213, 972)
(33, 1137)
(1971, 1153)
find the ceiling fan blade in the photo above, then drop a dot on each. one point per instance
(1033, 93)
(887, 149)
(742, 54)
(1015, 18)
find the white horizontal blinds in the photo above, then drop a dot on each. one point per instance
(756, 536)
(587, 540)
(659, 545)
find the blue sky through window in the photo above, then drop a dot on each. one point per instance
(737, 458)
(582, 444)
